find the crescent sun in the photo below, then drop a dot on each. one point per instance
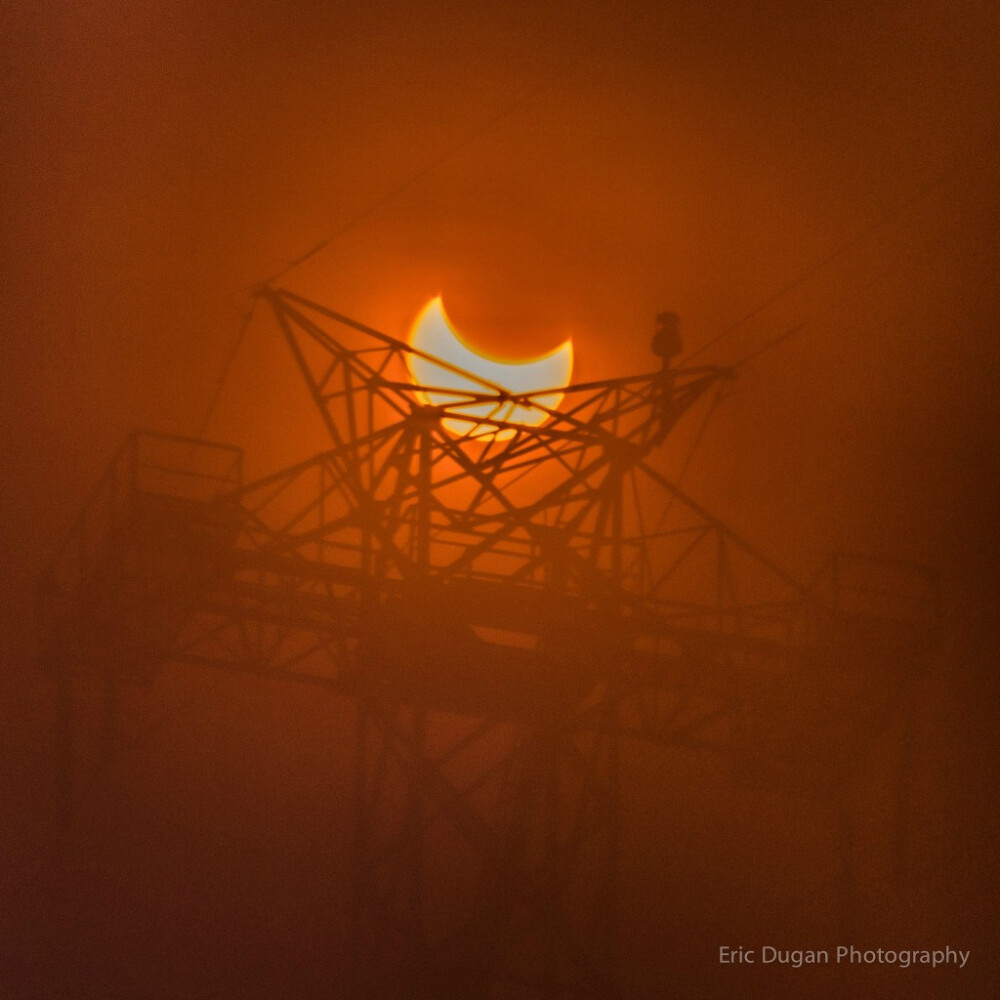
(544, 377)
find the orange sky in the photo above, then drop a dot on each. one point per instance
(555, 169)
(161, 159)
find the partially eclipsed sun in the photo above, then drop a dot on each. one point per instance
(543, 378)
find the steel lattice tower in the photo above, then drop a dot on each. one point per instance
(505, 606)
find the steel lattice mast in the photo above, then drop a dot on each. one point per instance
(504, 606)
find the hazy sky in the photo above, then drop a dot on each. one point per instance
(551, 170)
(589, 165)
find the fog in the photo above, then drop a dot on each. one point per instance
(551, 171)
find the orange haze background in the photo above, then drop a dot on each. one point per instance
(562, 169)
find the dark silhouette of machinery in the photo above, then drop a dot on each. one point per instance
(504, 608)
(667, 345)
(667, 342)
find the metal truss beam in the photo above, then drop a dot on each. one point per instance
(505, 606)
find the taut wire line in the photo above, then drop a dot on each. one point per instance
(241, 331)
(883, 220)
(505, 112)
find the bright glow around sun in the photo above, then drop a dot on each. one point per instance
(432, 333)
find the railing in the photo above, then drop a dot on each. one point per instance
(874, 598)
(147, 465)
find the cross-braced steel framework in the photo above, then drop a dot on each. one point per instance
(505, 604)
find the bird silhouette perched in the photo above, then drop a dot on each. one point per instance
(667, 339)
(666, 346)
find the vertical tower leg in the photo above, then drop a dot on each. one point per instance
(65, 790)
(845, 866)
(902, 810)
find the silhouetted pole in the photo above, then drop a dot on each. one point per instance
(667, 345)
(64, 758)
